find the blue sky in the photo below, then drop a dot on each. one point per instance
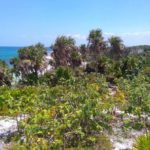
(25, 22)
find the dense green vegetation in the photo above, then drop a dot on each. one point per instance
(5, 75)
(73, 106)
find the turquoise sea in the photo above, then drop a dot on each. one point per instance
(6, 53)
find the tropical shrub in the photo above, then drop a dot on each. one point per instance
(67, 115)
(5, 74)
(53, 78)
(131, 66)
(142, 142)
(138, 100)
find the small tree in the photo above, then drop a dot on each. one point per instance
(117, 47)
(29, 63)
(96, 43)
(65, 53)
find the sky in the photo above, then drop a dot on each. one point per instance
(26, 22)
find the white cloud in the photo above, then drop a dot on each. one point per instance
(108, 33)
(132, 38)
(78, 36)
(144, 33)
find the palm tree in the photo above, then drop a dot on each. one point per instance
(65, 53)
(96, 42)
(29, 62)
(116, 46)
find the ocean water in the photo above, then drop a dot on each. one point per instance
(7, 53)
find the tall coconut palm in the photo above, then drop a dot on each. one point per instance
(65, 53)
(96, 42)
(117, 46)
